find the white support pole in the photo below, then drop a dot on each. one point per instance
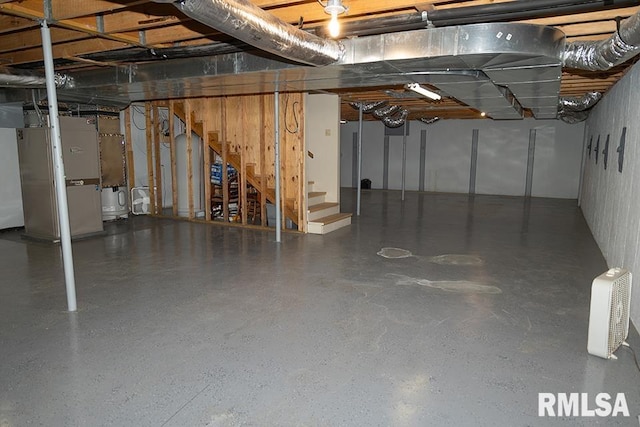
(360, 126)
(404, 156)
(58, 168)
(277, 166)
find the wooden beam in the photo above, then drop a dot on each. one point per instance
(207, 113)
(65, 9)
(92, 62)
(158, 157)
(189, 117)
(172, 148)
(62, 50)
(150, 177)
(13, 24)
(263, 164)
(223, 143)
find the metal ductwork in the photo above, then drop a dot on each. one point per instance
(499, 69)
(12, 79)
(575, 110)
(602, 55)
(252, 25)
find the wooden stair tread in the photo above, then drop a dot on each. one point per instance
(317, 193)
(320, 206)
(332, 218)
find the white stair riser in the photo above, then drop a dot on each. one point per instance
(318, 228)
(322, 213)
(316, 200)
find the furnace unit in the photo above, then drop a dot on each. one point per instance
(82, 177)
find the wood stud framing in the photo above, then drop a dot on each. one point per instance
(240, 131)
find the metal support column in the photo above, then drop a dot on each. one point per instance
(474, 162)
(404, 157)
(530, 159)
(58, 168)
(360, 126)
(277, 165)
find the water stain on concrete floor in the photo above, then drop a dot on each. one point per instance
(456, 286)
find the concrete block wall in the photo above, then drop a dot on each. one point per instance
(502, 157)
(610, 200)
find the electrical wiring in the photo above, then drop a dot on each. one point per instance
(295, 116)
(635, 357)
(138, 110)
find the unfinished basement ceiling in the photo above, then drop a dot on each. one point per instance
(93, 38)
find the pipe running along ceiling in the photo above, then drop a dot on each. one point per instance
(497, 68)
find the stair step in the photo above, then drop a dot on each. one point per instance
(322, 210)
(329, 223)
(332, 218)
(315, 197)
(321, 206)
(317, 193)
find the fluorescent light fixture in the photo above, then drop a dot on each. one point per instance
(343, 122)
(422, 91)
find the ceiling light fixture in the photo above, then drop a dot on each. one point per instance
(334, 8)
(422, 91)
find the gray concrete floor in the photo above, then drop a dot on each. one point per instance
(187, 324)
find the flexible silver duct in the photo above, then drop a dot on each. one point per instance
(602, 55)
(396, 121)
(250, 24)
(429, 120)
(579, 104)
(368, 107)
(573, 117)
(575, 110)
(386, 111)
(15, 80)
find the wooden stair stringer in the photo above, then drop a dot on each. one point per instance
(216, 145)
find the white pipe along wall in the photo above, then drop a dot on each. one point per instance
(609, 198)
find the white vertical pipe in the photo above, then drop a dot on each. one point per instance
(404, 155)
(360, 126)
(277, 166)
(58, 168)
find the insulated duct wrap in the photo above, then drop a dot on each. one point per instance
(397, 120)
(24, 80)
(252, 25)
(575, 110)
(579, 104)
(429, 120)
(368, 107)
(386, 111)
(602, 55)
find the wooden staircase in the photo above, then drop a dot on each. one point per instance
(233, 158)
(324, 217)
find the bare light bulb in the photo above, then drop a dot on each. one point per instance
(334, 25)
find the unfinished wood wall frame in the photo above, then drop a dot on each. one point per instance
(240, 131)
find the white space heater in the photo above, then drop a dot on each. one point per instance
(140, 200)
(609, 313)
